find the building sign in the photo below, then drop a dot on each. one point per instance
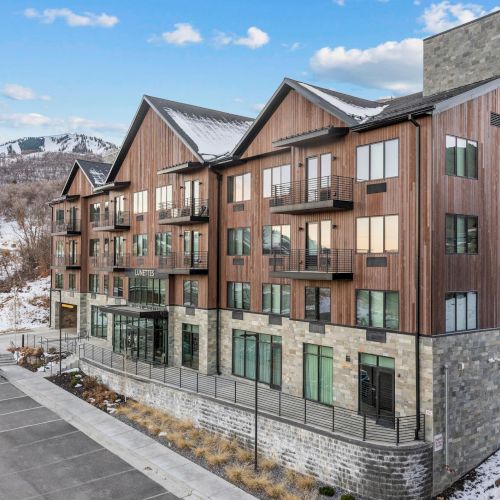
(68, 306)
(438, 442)
(146, 273)
(376, 336)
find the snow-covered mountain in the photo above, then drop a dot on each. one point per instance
(64, 143)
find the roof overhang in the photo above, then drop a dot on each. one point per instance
(182, 168)
(403, 117)
(134, 312)
(312, 137)
(61, 199)
(111, 186)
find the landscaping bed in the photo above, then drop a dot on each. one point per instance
(221, 456)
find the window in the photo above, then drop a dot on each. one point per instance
(377, 309)
(164, 197)
(105, 284)
(98, 323)
(140, 202)
(71, 281)
(95, 212)
(317, 304)
(117, 286)
(461, 234)
(377, 234)
(163, 244)
(190, 346)
(105, 250)
(461, 311)
(377, 161)
(59, 280)
(60, 216)
(140, 245)
(461, 157)
(238, 295)
(318, 373)
(276, 176)
(147, 291)
(276, 299)
(60, 248)
(275, 239)
(190, 293)
(245, 357)
(93, 247)
(238, 241)
(94, 283)
(239, 188)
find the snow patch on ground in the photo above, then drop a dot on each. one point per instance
(32, 306)
(8, 234)
(483, 484)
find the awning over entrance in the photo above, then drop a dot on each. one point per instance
(135, 312)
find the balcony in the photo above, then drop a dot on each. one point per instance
(71, 227)
(322, 194)
(110, 262)
(184, 263)
(194, 213)
(111, 222)
(327, 265)
(71, 261)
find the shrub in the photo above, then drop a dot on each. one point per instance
(237, 473)
(301, 481)
(277, 490)
(243, 455)
(347, 496)
(327, 491)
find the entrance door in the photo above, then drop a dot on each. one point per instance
(191, 248)
(318, 245)
(73, 258)
(275, 365)
(191, 195)
(119, 209)
(119, 250)
(312, 175)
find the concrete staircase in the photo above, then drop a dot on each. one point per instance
(7, 359)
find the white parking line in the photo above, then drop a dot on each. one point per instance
(15, 397)
(31, 425)
(20, 411)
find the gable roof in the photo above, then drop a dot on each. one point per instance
(208, 133)
(96, 173)
(358, 113)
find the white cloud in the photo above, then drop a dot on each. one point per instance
(183, 34)
(72, 19)
(258, 107)
(221, 39)
(340, 3)
(445, 15)
(393, 66)
(20, 93)
(292, 46)
(255, 38)
(25, 120)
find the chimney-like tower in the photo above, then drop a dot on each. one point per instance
(462, 55)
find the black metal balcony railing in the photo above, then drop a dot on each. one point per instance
(362, 426)
(109, 261)
(333, 188)
(183, 260)
(110, 220)
(197, 208)
(326, 260)
(71, 260)
(69, 226)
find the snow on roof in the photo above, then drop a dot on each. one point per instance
(214, 136)
(359, 113)
(96, 171)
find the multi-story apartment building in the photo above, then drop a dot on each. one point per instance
(356, 241)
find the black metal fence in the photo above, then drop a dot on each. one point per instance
(196, 208)
(365, 427)
(184, 260)
(71, 260)
(333, 187)
(325, 260)
(110, 219)
(68, 226)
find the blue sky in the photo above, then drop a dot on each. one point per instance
(83, 66)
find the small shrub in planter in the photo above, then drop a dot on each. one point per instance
(347, 496)
(327, 491)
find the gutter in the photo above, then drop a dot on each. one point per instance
(417, 270)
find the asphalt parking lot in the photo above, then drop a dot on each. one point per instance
(44, 457)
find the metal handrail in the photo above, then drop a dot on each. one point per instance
(184, 260)
(111, 219)
(330, 418)
(66, 260)
(196, 207)
(333, 187)
(70, 226)
(324, 260)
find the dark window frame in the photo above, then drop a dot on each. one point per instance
(281, 285)
(370, 179)
(320, 357)
(369, 252)
(384, 312)
(93, 283)
(143, 247)
(455, 238)
(232, 237)
(466, 293)
(231, 299)
(455, 157)
(193, 292)
(117, 288)
(231, 188)
(317, 302)
(191, 334)
(59, 281)
(98, 323)
(282, 248)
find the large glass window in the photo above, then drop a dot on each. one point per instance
(117, 286)
(461, 311)
(318, 373)
(276, 176)
(59, 248)
(93, 247)
(140, 205)
(98, 323)
(163, 244)
(377, 161)
(461, 234)
(276, 299)
(276, 239)
(147, 291)
(245, 357)
(238, 241)
(94, 283)
(190, 346)
(461, 157)
(164, 197)
(377, 309)
(71, 281)
(239, 188)
(317, 304)
(95, 212)
(59, 280)
(140, 245)
(190, 293)
(378, 234)
(238, 295)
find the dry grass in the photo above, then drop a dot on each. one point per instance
(267, 464)
(237, 473)
(276, 490)
(301, 481)
(243, 455)
(218, 458)
(178, 440)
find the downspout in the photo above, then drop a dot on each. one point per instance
(51, 251)
(417, 273)
(218, 270)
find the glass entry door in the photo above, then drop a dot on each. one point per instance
(191, 247)
(318, 245)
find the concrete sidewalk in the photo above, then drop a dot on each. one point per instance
(177, 474)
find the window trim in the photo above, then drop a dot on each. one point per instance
(242, 301)
(276, 252)
(466, 293)
(235, 230)
(368, 252)
(230, 183)
(369, 327)
(319, 346)
(143, 209)
(383, 160)
(467, 140)
(281, 313)
(289, 165)
(455, 247)
(317, 303)
(191, 303)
